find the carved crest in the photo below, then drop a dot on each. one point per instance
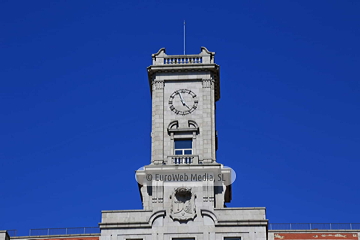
(183, 204)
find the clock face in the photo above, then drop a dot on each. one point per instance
(183, 101)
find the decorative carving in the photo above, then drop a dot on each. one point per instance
(155, 215)
(193, 124)
(174, 128)
(211, 214)
(183, 204)
(173, 125)
(208, 83)
(157, 85)
(157, 191)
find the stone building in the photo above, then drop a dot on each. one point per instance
(184, 189)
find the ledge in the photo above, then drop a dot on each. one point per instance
(263, 223)
(57, 236)
(124, 225)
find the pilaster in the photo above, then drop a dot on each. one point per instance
(157, 138)
(208, 99)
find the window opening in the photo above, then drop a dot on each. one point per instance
(183, 147)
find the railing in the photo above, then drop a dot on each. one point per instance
(183, 60)
(12, 232)
(314, 226)
(272, 226)
(183, 159)
(63, 231)
(204, 57)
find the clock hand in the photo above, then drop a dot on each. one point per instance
(182, 100)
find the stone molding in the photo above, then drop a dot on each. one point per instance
(242, 223)
(158, 85)
(155, 215)
(208, 83)
(206, 212)
(173, 127)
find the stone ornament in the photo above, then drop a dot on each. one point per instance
(183, 204)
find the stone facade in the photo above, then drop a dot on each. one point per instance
(202, 79)
(244, 223)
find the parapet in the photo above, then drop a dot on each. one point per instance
(204, 57)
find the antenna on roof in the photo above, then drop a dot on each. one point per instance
(184, 39)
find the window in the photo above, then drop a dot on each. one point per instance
(183, 146)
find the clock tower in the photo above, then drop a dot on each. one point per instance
(184, 92)
(184, 188)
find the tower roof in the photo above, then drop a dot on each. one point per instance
(204, 61)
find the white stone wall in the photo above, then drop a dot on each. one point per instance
(202, 85)
(246, 223)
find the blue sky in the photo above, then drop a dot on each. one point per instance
(75, 112)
